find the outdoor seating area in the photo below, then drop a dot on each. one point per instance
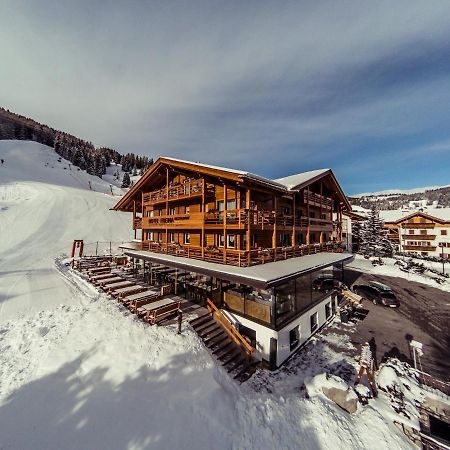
(124, 283)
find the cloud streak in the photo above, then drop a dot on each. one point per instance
(274, 87)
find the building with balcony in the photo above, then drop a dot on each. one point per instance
(420, 233)
(254, 246)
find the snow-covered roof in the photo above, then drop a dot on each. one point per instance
(397, 214)
(295, 180)
(261, 276)
(242, 173)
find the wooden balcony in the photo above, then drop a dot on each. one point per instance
(183, 191)
(235, 219)
(419, 248)
(417, 225)
(418, 237)
(240, 258)
(317, 200)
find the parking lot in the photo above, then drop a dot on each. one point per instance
(423, 315)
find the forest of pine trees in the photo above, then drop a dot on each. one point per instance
(80, 153)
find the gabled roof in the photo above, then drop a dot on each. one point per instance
(415, 214)
(287, 184)
(241, 173)
(299, 179)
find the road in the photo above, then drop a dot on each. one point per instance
(423, 315)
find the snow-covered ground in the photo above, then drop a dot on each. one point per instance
(391, 270)
(78, 372)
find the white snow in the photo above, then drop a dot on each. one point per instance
(396, 214)
(389, 192)
(78, 372)
(297, 179)
(391, 270)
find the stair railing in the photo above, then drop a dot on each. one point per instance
(229, 328)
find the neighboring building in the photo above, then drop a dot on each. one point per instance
(253, 246)
(420, 233)
(349, 241)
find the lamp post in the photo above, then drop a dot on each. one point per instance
(441, 244)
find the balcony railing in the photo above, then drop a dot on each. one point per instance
(186, 190)
(137, 223)
(317, 200)
(241, 257)
(237, 218)
(417, 225)
(419, 248)
(418, 237)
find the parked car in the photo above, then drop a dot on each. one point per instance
(377, 293)
(325, 283)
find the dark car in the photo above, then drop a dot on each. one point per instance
(325, 283)
(378, 293)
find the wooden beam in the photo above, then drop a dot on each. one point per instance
(307, 212)
(274, 234)
(224, 223)
(203, 219)
(167, 204)
(293, 221)
(249, 219)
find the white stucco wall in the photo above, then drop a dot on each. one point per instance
(263, 334)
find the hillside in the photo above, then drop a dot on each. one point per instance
(79, 152)
(43, 207)
(391, 200)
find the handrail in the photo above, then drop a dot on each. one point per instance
(229, 328)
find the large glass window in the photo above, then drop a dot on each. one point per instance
(314, 320)
(299, 294)
(254, 303)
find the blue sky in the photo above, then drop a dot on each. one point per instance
(272, 87)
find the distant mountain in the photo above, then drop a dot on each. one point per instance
(79, 152)
(412, 199)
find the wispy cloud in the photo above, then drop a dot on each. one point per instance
(275, 87)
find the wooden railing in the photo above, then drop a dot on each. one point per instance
(229, 328)
(317, 200)
(241, 258)
(419, 248)
(189, 189)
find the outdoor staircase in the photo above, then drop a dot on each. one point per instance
(226, 343)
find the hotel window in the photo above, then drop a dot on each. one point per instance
(150, 235)
(220, 205)
(187, 238)
(328, 310)
(314, 319)
(221, 240)
(231, 204)
(443, 232)
(171, 238)
(423, 231)
(187, 210)
(286, 210)
(231, 241)
(294, 338)
(171, 211)
(411, 231)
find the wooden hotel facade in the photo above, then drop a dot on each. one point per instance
(259, 244)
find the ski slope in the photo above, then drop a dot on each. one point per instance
(43, 207)
(78, 372)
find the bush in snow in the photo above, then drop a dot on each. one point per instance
(126, 182)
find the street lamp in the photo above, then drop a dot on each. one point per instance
(441, 244)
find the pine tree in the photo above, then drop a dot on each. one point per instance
(126, 180)
(374, 239)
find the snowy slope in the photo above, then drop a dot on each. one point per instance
(42, 209)
(78, 372)
(389, 192)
